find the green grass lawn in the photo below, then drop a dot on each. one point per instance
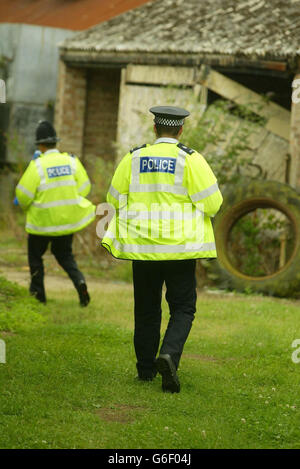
(69, 380)
(13, 254)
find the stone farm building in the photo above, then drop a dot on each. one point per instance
(188, 53)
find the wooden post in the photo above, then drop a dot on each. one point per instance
(282, 256)
(295, 134)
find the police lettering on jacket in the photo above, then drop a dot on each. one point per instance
(56, 171)
(157, 164)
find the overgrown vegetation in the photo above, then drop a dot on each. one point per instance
(223, 143)
(261, 242)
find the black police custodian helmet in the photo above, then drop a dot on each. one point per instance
(45, 133)
(169, 115)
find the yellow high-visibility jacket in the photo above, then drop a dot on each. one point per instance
(164, 196)
(52, 191)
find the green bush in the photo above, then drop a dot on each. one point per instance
(222, 135)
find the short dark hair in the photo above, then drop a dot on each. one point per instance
(167, 130)
(49, 145)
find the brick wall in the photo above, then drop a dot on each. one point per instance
(86, 111)
(101, 118)
(70, 108)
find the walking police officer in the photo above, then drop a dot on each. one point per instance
(164, 196)
(52, 191)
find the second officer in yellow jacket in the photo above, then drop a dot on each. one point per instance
(52, 192)
(164, 196)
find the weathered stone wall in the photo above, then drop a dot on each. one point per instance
(70, 108)
(87, 111)
(97, 108)
(101, 113)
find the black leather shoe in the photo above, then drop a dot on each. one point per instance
(167, 369)
(84, 296)
(146, 376)
(41, 298)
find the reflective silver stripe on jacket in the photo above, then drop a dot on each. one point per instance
(176, 188)
(205, 193)
(109, 234)
(73, 164)
(162, 215)
(57, 203)
(116, 194)
(25, 191)
(135, 167)
(58, 228)
(40, 171)
(158, 188)
(54, 185)
(84, 185)
(179, 170)
(162, 248)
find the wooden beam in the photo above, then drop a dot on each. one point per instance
(160, 75)
(278, 118)
(87, 58)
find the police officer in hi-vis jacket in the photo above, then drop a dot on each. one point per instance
(52, 192)
(164, 196)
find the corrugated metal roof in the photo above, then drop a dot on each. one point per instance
(245, 28)
(67, 14)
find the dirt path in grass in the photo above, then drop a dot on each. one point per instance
(58, 283)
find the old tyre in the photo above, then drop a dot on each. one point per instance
(240, 199)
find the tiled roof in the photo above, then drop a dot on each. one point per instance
(268, 28)
(71, 14)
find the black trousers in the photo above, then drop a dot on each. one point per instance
(61, 248)
(148, 280)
